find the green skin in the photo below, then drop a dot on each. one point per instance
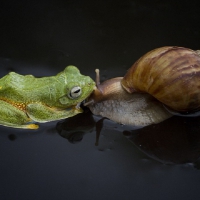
(26, 99)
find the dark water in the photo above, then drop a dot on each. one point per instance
(61, 160)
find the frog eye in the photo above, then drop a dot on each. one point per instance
(75, 92)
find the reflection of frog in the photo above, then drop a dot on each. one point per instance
(26, 99)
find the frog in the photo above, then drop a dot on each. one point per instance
(26, 100)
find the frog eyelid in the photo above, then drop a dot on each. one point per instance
(75, 92)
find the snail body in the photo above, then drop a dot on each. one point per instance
(168, 76)
(110, 100)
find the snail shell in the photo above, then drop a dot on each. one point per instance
(170, 74)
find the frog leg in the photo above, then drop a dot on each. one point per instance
(11, 116)
(42, 113)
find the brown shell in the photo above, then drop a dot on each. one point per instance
(170, 74)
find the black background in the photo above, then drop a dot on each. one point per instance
(41, 38)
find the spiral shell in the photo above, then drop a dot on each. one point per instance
(170, 74)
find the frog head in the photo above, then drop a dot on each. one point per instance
(77, 86)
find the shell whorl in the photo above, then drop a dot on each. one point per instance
(170, 74)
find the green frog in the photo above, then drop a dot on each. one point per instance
(25, 99)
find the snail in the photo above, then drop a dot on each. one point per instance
(163, 82)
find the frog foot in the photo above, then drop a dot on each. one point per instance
(32, 126)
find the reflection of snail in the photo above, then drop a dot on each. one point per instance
(167, 75)
(173, 141)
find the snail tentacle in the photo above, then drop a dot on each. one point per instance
(97, 91)
(97, 77)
